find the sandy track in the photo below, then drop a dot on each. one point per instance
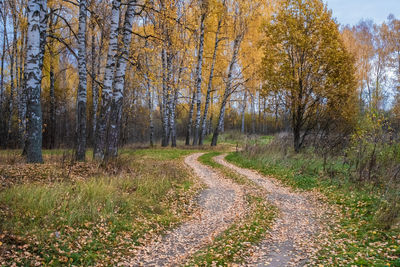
(221, 203)
(292, 235)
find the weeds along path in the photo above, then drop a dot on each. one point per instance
(292, 236)
(221, 203)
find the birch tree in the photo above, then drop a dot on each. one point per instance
(3, 52)
(33, 75)
(81, 92)
(119, 83)
(199, 76)
(210, 80)
(228, 87)
(106, 94)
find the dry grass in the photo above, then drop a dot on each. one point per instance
(85, 213)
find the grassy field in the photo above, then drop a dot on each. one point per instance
(63, 212)
(358, 236)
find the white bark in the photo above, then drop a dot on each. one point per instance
(119, 83)
(82, 85)
(199, 76)
(210, 79)
(228, 89)
(106, 95)
(33, 74)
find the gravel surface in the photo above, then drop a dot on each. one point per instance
(220, 204)
(291, 239)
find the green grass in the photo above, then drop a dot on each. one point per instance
(158, 153)
(96, 219)
(232, 246)
(356, 238)
(207, 159)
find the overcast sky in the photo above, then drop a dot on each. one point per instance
(352, 11)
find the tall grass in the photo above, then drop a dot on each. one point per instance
(366, 233)
(94, 219)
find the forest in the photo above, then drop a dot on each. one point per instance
(197, 133)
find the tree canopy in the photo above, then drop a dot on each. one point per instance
(307, 66)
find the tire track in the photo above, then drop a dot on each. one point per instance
(293, 233)
(221, 203)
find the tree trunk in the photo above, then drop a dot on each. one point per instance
(33, 74)
(119, 84)
(82, 85)
(106, 94)
(174, 104)
(296, 139)
(24, 104)
(173, 118)
(190, 119)
(265, 129)
(52, 126)
(3, 55)
(253, 114)
(209, 88)
(243, 111)
(150, 107)
(165, 98)
(199, 76)
(228, 89)
(95, 88)
(22, 92)
(12, 85)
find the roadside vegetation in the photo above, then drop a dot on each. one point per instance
(365, 230)
(68, 213)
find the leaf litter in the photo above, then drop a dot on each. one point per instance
(221, 204)
(292, 239)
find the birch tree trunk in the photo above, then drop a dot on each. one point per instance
(209, 88)
(150, 107)
(22, 92)
(119, 84)
(12, 80)
(33, 75)
(82, 86)
(23, 104)
(43, 31)
(3, 52)
(166, 96)
(253, 114)
(264, 116)
(173, 118)
(210, 124)
(244, 111)
(52, 125)
(199, 75)
(228, 89)
(95, 88)
(190, 119)
(106, 94)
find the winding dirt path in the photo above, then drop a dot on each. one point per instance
(292, 235)
(220, 204)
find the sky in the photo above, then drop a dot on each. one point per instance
(352, 11)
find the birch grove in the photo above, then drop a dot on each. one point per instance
(101, 75)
